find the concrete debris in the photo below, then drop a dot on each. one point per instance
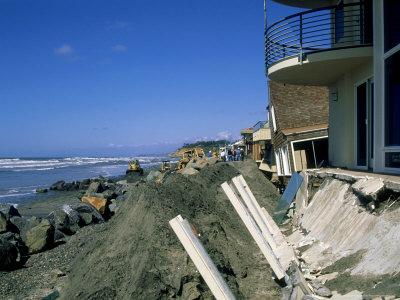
(353, 295)
(320, 289)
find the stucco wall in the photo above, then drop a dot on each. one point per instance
(342, 117)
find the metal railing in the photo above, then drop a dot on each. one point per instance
(323, 29)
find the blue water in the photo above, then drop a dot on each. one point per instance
(20, 177)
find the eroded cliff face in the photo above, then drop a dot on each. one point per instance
(350, 227)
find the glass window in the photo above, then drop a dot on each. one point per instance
(392, 100)
(361, 124)
(392, 159)
(391, 23)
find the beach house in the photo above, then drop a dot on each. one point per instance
(353, 48)
(299, 126)
(262, 147)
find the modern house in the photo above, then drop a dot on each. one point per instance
(247, 139)
(299, 118)
(262, 147)
(353, 47)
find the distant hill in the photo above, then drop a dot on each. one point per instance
(205, 145)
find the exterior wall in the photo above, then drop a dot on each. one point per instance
(342, 116)
(297, 106)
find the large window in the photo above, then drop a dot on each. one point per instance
(392, 100)
(392, 23)
(392, 82)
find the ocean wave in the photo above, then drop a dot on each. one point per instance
(43, 164)
(15, 195)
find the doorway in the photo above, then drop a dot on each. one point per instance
(365, 124)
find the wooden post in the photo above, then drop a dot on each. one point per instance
(200, 258)
(255, 209)
(254, 231)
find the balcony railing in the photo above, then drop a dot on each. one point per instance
(323, 29)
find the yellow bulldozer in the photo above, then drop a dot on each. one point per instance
(166, 165)
(134, 167)
(188, 155)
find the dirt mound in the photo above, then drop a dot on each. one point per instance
(138, 256)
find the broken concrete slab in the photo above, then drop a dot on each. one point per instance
(369, 188)
(353, 295)
(392, 185)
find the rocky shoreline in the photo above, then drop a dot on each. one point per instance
(38, 241)
(98, 259)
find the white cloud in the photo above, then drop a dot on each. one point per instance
(115, 146)
(119, 48)
(225, 135)
(64, 50)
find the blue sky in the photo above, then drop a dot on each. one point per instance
(127, 77)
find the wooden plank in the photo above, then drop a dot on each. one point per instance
(254, 231)
(255, 210)
(276, 232)
(200, 258)
(244, 183)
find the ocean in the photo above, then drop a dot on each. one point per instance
(20, 177)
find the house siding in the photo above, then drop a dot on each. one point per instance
(297, 106)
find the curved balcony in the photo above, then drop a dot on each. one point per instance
(301, 48)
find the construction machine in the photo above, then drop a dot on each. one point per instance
(188, 155)
(134, 167)
(166, 165)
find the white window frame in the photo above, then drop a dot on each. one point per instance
(304, 140)
(278, 162)
(285, 160)
(273, 118)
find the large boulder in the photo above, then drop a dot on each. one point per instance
(62, 222)
(153, 175)
(84, 184)
(3, 223)
(9, 210)
(71, 186)
(109, 194)
(6, 225)
(40, 237)
(23, 225)
(188, 171)
(87, 214)
(12, 252)
(58, 186)
(99, 203)
(94, 187)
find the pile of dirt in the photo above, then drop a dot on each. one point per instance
(138, 256)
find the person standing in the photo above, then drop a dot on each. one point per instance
(238, 154)
(233, 154)
(242, 155)
(229, 154)
(223, 155)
